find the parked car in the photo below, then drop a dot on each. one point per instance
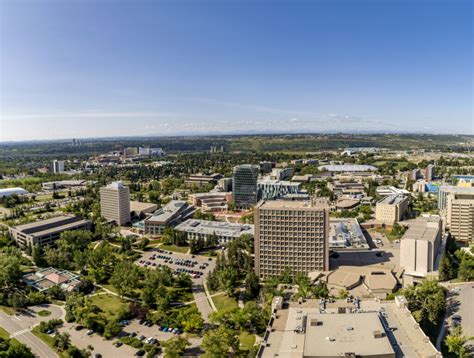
(140, 353)
(79, 327)
(118, 344)
(90, 332)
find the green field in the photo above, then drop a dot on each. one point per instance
(224, 301)
(174, 248)
(247, 341)
(108, 304)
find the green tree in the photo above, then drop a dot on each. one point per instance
(220, 342)
(175, 347)
(125, 278)
(456, 341)
(252, 285)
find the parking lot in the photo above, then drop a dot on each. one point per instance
(195, 265)
(168, 258)
(101, 346)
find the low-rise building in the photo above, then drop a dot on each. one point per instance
(388, 190)
(12, 191)
(172, 214)
(44, 279)
(420, 247)
(269, 189)
(346, 234)
(204, 229)
(212, 201)
(338, 168)
(202, 179)
(63, 184)
(322, 329)
(391, 209)
(138, 209)
(46, 232)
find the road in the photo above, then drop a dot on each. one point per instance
(459, 302)
(19, 327)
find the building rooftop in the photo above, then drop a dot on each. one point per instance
(348, 168)
(346, 234)
(424, 228)
(218, 227)
(138, 206)
(309, 333)
(11, 191)
(319, 203)
(392, 200)
(168, 211)
(47, 226)
(268, 181)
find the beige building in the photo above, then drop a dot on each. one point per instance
(291, 234)
(420, 247)
(460, 216)
(46, 232)
(115, 203)
(391, 209)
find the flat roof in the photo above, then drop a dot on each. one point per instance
(10, 191)
(276, 182)
(47, 226)
(393, 199)
(299, 204)
(139, 206)
(167, 212)
(423, 228)
(218, 227)
(348, 168)
(330, 335)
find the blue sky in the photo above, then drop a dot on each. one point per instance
(111, 68)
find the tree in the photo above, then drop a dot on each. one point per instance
(252, 285)
(112, 329)
(125, 278)
(175, 347)
(62, 341)
(11, 349)
(227, 279)
(446, 269)
(220, 342)
(456, 341)
(37, 254)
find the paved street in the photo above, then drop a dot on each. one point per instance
(19, 326)
(460, 303)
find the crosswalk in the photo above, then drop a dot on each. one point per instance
(16, 334)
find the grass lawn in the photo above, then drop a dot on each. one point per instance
(224, 301)
(8, 310)
(109, 304)
(5, 335)
(49, 340)
(174, 248)
(44, 313)
(247, 341)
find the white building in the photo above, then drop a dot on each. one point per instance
(57, 166)
(419, 248)
(115, 203)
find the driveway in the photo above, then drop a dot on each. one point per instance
(19, 326)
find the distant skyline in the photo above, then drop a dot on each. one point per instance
(84, 68)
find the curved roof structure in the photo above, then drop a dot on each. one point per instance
(11, 191)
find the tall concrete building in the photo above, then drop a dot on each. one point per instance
(115, 203)
(419, 248)
(57, 166)
(291, 234)
(391, 209)
(244, 185)
(430, 172)
(460, 216)
(446, 190)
